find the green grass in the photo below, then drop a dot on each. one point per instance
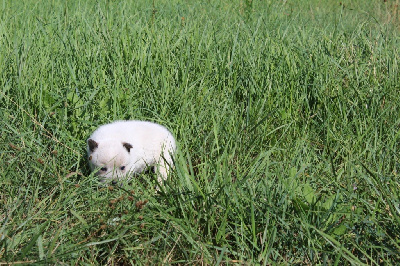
(287, 115)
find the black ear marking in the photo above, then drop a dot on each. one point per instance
(127, 146)
(92, 145)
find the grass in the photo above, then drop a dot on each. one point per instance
(286, 114)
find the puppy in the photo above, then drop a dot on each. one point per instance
(123, 148)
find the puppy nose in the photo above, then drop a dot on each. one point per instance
(114, 182)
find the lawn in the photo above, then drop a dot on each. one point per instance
(286, 114)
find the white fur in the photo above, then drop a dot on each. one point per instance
(149, 144)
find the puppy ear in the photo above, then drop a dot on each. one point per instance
(92, 145)
(127, 146)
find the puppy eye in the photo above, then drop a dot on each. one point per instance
(103, 169)
(122, 168)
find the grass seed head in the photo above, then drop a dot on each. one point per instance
(140, 204)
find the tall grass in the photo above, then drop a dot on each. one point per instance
(286, 114)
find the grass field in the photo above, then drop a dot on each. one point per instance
(287, 115)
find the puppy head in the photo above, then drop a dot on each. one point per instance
(110, 158)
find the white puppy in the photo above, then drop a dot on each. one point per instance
(123, 148)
